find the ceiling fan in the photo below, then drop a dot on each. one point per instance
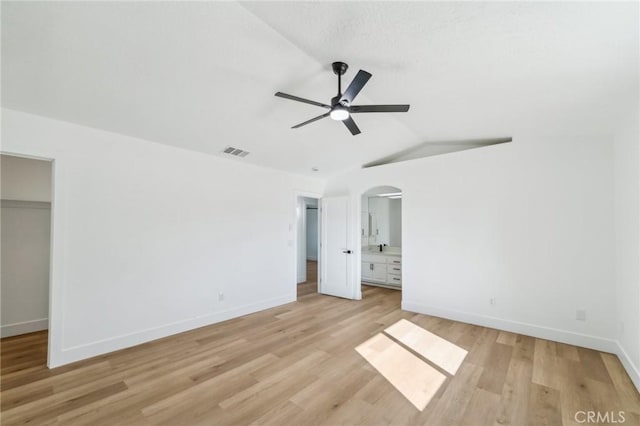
(341, 108)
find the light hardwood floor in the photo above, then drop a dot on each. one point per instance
(310, 286)
(296, 365)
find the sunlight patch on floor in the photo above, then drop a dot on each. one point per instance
(411, 376)
(439, 351)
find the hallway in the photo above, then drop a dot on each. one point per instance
(310, 286)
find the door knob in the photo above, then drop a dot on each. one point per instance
(346, 251)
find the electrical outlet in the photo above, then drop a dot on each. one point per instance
(492, 301)
(220, 296)
(581, 315)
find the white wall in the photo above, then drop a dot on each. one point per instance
(364, 221)
(395, 222)
(529, 223)
(24, 275)
(312, 233)
(24, 241)
(25, 179)
(627, 226)
(146, 236)
(301, 224)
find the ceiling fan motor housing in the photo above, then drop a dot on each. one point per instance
(339, 68)
(336, 101)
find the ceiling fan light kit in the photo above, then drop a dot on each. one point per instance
(339, 113)
(341, 108)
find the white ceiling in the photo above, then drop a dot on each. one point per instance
(202, 75)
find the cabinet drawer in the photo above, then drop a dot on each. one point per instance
(394, 279)
(374, 258)
(394, 269)
(394, 260)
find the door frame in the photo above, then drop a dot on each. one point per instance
(293, 232)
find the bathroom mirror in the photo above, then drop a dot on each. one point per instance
(382, 217)
(385, 221)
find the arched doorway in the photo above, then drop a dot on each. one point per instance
(381, 237)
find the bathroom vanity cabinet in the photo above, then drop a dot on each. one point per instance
(382, 269)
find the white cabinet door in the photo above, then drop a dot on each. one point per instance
(379, 272)
(367, 271)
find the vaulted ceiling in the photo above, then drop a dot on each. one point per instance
(202, 75)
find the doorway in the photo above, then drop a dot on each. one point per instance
(25, 247)
(381, 238)
(307, 245)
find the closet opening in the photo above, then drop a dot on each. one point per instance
(25, 247)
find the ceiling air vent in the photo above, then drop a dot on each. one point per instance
(236, 152)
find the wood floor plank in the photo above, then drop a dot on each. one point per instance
(495, 368)
(548, 369)
(391, 409)
(279, 415)
(622, 383)
(544, 406)
(481, 409)
(453, 403)
(122, 407)
(593, 366)
(481, 349)
(567, 351)
(297, 365)
(224, 385)
(36, 412)
(470, 337)
(343, 377)
(513, 408)
(507, 338)
(374, 390)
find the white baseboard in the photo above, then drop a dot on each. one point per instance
(548, 333)
(554, 334)
(24, 327)
(77, 353)
(632, 370)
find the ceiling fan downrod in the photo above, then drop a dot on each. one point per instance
(339, 68)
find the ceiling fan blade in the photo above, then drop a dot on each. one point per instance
(351, 125)
(311, 121)
(306, 101)
(356, 86)
(378, 108)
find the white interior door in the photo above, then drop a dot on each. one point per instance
(335, 252)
